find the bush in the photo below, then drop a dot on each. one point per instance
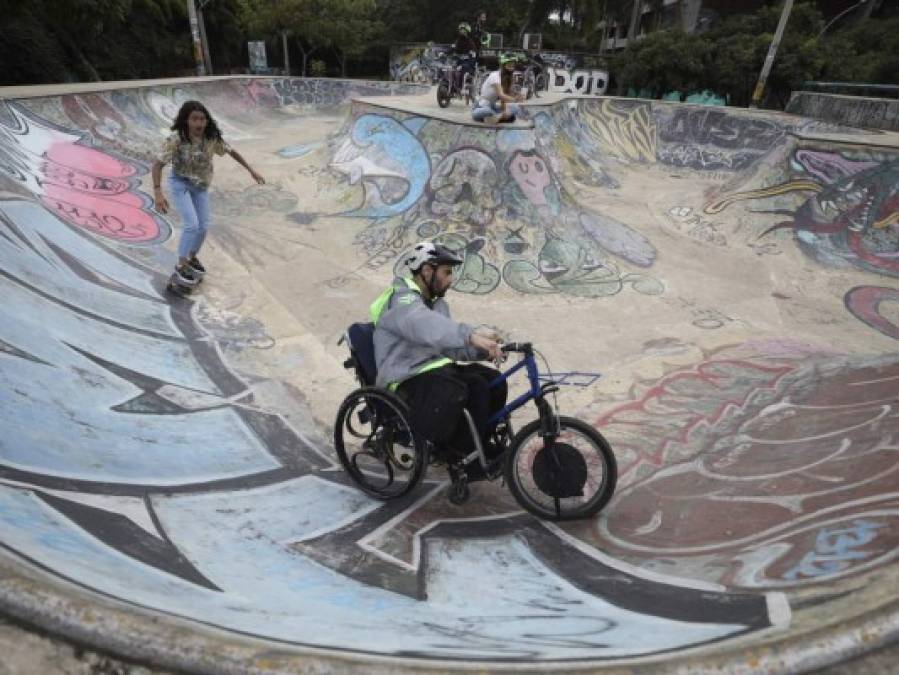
(664, 61)
(729, 58)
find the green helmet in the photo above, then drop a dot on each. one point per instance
(508, 57)
(464, 28)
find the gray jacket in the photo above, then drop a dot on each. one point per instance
(413, 336)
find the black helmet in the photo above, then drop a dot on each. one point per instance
(426, 252)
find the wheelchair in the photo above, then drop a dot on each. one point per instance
(556, 467)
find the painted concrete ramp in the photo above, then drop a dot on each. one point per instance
(716, 291)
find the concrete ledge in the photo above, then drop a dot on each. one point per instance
(855, 111)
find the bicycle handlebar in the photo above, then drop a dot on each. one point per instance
(524, 347)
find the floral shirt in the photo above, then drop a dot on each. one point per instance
(192, 161)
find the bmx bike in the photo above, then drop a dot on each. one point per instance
(556, 467)
(529, 79)
(456, 82)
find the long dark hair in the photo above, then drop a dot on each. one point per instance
(211, 132)
(505, 79)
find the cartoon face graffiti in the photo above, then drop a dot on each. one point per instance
(532, 175)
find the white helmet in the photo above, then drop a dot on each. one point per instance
(426, 252)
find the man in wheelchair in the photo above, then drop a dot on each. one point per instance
(417, 348)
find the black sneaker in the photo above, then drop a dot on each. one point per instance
(196, 267)
(185, 275)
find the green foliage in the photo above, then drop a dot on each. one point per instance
(28, 55)
(729, 58)
(317, 68)
(350, 27)
(866, 51)
(71, 40)
(664, 61)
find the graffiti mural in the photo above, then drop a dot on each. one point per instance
(624, 129)
(684, 218)
(137, 463)
(424, 178)
(710, 140)
(81, 184)
(326, 93)
(387, 159)
(760, 472)
(140, 463)
(850, 219)
(581, 82)
(864, 303)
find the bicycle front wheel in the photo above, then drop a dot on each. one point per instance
(443, 94)
(570, 476)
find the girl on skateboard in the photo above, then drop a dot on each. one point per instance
(195, 139)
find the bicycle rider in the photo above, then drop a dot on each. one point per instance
(479, 33)
(417, 346)
(466, 51)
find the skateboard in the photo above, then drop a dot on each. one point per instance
(176, 286)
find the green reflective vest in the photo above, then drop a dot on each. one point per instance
(377, 309)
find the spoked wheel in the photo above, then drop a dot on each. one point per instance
(443, 94)
(467, 92)
(376, 446)
(572, 476)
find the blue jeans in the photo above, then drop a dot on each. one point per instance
(481, 112)
(192, 203)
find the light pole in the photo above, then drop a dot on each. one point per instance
(203, 38)
(772, 53)
(195, 35)
(635, 21)
(839, 16)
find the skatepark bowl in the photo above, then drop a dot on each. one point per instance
(717, 291)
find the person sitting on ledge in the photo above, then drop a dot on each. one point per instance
(495, 103)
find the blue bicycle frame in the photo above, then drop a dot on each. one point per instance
(536, 390)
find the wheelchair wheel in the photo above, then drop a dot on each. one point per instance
(571, 477)
(443, 94)
(375, 443)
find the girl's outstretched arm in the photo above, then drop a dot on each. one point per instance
(160, 203)
(240, 160)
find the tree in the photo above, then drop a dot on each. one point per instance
(867, 51)
(345, 26)
(663, 62)
(72, 40)
(350, 28)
